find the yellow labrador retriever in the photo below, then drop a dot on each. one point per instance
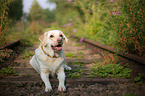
(49, 58)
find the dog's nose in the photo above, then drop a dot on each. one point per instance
(59, 40)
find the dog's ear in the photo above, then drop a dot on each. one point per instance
(41, 38)
(65, 38)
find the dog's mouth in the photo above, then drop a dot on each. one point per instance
(57, 47)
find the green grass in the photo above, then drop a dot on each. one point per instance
(130, 94)
(27, 54)
(77, 44)
(75, 74)
(71, 55)
(138, 79)
(8, 71)
(78, 63)
(111, 71)
(80, 54)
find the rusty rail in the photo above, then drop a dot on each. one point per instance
(114, 50)
(11, 44)
(14, 43)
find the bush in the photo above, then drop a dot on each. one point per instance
(117, 23)
(4, 21)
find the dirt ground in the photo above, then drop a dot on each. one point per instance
(28, 83)
(37, 89)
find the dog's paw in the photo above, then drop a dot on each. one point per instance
(67, 67)
(48, 89)
(61, 88)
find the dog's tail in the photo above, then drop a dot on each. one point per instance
(34, 63)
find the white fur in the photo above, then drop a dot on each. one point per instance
(48, 65)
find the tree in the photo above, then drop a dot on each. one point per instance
(15, 11)
(35, 11)
(65, 10)
(48, 15)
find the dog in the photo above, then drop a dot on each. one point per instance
(49, 58)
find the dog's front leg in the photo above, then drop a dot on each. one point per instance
(45, 78)
(61, 78)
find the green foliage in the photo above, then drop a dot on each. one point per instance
(118, 24)
(5, 54)
(75, 74)
(78, 63)
(138, 79)
(129, 25)
(77, 44)
(9, 9)
(27, 54)
(71, 55)
(36, 27)
(111, 71)
(4, 21)
(65, 11)
(15, 11)
(35, 11)
(20, 30)
(48, 15)
(8, 71)
(80, 54)
(131, 94)
(19, 84)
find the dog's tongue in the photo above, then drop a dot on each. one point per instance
(57, 48)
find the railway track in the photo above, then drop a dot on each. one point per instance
(132, 57)
(28, 82)
(137, 63)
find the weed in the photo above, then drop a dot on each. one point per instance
(8, 71)
(119, 24)
(75, 74)
(19, 85)
(4, 21)
(77, 44)
(138, 79)
(78, 63)
(109, 58)
(27, 54)
(71, 55)
(111, 71)
(26, 42)
(131, 94)
(4, 54)
(80, 54)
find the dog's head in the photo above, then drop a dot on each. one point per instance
(54, 39)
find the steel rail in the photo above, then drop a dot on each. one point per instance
(11, 44)
(14, 43)
(133, 57)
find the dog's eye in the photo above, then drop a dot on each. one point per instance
(51, 36)
(60, 35)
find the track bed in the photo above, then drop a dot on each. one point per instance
(28, 82)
